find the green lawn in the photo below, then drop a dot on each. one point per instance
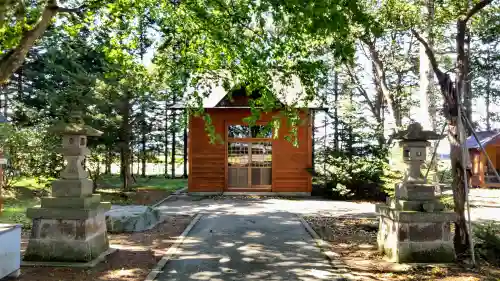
(14, 211)
(152, 182)
(26, 194)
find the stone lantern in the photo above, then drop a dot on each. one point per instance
(70, 226)
(413, 226)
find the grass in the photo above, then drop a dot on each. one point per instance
(14, 211)
(33, 183)
(151, 182)
(26, 192)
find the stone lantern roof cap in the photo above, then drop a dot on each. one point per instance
(415, 132)
(76, 126)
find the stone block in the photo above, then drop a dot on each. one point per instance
(410, 191)
(414, 216)
(66, 213)
(425, 232)
(428, 252)
(69, 240)
(132, 219)
(406, 236)
(413, 205)
(71, 202)
(72, 188)
(66, 250)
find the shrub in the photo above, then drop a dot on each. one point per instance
(488, 242)
(365, 176)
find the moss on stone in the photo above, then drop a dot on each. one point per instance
(442, 254)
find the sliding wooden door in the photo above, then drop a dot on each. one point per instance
(249, 158)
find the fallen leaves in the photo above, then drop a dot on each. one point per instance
(355, 242)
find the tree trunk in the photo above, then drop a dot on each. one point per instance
(174, 130)
(488, 102)
(143, 141)
(336, 114)
(379, 116)
(426, 112)
(458, 136)
(6, 102)
(11, 61)
(380, 79)
(108, 160)
(467, 93)
(453, 94)
(166, 139)
(125, 135)
(185, 155)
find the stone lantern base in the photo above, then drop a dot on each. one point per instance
(69, 227)
(415, 236)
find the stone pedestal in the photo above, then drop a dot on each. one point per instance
(70, 226)
(67, 234)
(413, 226)
(413, 236)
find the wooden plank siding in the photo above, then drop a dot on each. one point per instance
(208, 162)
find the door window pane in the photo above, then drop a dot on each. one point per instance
(244, 131)
(238, 154)
(238, 131)
(260, 131)
(262, 154)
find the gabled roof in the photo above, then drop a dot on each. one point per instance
(485, 138)
(290, 93)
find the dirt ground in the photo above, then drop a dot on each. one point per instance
(137, 254)
(142, 196)
(355, 240)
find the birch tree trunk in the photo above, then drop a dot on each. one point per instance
(425, 114)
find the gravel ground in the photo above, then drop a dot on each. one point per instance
(137, 254)
(355, 240)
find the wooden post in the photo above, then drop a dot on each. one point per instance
(482, 163)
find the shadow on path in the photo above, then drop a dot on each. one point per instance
(258, 246)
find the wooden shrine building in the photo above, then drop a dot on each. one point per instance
(249, 159)
(482, 174)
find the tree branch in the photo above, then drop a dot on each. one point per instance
(480, 5)
(430, 54)
(69, 10)
(362, 91)
(10, 62)
(381, 79)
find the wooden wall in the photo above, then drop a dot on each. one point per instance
(480, 163)
(207, 162)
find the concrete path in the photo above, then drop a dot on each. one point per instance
(261, 239)
(236, 205)
(247, 245)
(485, 206)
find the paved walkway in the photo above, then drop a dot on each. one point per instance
(247, 240)
(262, 239)
(236, 205)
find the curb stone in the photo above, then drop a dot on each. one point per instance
(175, 193)
(172, 251)
(334, 258)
